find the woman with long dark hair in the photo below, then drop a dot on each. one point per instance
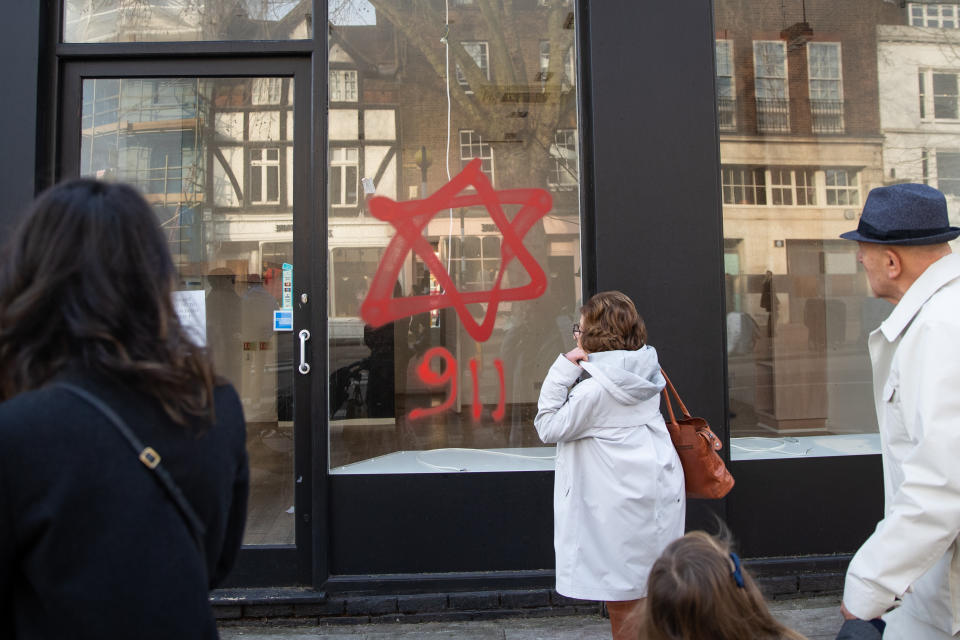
(96, 539)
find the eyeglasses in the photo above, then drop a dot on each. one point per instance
(576, 330)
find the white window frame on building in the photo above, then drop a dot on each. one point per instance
(265, 173)
(340, 163)
(266, 91)
(943, 16)
(841, 193)
(564, 152)
(942, 103)
(344, 85)
(472, 146)
(790, 186)
(771, 86)
(569, 67)
(726, 86)
(484, 262)
(479, 50)
(826, 87)
(949, 185)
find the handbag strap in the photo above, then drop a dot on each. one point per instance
(151, 460)
(666, 395)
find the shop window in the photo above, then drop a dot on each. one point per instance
(770, 76)
(826, 87)
(472, 146)
(946, 16)
(452, 291)
(480, 55)
(264, 176)
(726, 88)
(343, 85)
(344, 176)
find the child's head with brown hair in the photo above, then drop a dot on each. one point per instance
(609, 322)
(697, 590)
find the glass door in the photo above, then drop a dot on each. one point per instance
(216, 156)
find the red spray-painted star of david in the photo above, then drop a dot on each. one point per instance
(409, 218)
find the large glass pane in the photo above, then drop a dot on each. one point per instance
(181, 20)
(196, 149)
(453, 230)
(799, 308)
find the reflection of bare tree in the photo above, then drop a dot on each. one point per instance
(124, 20)
(518, 107)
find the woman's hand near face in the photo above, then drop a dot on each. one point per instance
(576, 356)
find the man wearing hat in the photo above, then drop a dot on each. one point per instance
(913, 554)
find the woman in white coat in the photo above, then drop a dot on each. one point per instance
(618, 490)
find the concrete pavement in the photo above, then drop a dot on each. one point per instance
(817, 618)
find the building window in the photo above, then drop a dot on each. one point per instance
(948, 172)
(344, 172)
(563, 151)
(475, 258)
(472, 146)
(792, 187)
(478, 51)
(569, 72)
(726, 87)
(826, 87)
(266, 90)
(770, 73)
(543, 76)
(945, 96)
(343, 85)
(934, 15)
(264, 176)
(921, 79)
(842, 187)
(744, 185)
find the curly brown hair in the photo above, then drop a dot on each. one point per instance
(611, 322)
(86, 281)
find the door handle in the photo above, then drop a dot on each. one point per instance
(304, 367)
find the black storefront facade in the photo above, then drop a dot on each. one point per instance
(664, 122)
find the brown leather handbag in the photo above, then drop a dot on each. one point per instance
(704, 473)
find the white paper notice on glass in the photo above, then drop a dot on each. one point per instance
(192, 310)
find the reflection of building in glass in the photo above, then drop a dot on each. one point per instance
(800, 147)
(513, 105)
(183, 20)
(215, 158)
(920, 102)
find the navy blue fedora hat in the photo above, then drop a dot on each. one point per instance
(904, 214)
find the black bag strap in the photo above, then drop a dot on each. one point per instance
(151, 460)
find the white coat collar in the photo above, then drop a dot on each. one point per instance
(930, 281)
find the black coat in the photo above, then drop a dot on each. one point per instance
(90, 545)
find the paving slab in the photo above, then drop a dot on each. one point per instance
(816, 618)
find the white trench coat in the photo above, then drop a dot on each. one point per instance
(914, 552)
(618, 496)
